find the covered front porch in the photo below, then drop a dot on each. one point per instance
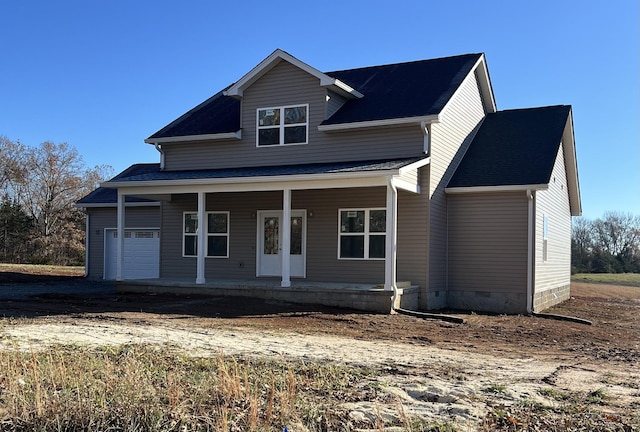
(364, 297)
(310, 268)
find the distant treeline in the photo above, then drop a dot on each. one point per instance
(39, 223)
(610, 244)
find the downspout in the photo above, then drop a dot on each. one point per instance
(394, 284)
(427, 138)
(87, 231)
(530, 249)
(159, 148)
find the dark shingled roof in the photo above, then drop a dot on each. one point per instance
(150, 172)
(412, 89)
(218, 114)
(104, 195)
(281, 170)
(513, 147)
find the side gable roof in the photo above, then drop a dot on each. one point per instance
(410, 90)
(519, 148)
(102, 195)
(217, 115)
(414, 89)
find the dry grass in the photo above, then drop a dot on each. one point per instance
(154, 388)
(33, 269)
(624, 279)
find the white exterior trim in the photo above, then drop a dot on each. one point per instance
(262, 183)
(101, 205)
(508, 188)
(200, 262)
(189, 138)
(237, 89)
(384, 122)
(282, 126)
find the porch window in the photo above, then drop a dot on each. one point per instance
(282, 125)
(362, 233)
(217, 233)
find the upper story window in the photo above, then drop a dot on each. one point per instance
(283, 125)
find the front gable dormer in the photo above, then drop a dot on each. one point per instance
(333, 84)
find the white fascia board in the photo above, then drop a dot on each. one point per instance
(340, 87)
(415, 165)
(484, 80)
(261, 187)
(487, 98)
(485, 189)
(263, 183)
(135, 204)
(571, 163)
(375, 123)
(403, 184)
(237, 89)
(190, 138)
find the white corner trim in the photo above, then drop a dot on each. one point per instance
(509, 188)
(384, 122)
(188, 138)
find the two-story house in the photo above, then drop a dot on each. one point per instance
(388, 186)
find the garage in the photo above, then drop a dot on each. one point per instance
(141, 254)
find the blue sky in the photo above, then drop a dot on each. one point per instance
(103, 76)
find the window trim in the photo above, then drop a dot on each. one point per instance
(366, 233)
(281, 127)
(207, 233)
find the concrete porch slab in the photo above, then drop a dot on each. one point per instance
(365, 297)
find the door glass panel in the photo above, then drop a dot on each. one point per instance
(271, 232)
(296, 235)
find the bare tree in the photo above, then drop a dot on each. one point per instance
(12, 169)
(56, 177)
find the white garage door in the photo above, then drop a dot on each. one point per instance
(141, 254)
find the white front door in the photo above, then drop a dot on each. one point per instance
(270, 243)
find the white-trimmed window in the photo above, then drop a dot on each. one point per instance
(217, 235)
(362, 233)
(284, 125)
(545, 238)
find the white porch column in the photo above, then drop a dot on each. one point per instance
(120, 233)
(286, 238)
(390, 264)
(202, 237)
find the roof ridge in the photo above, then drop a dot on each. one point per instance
(405, 63)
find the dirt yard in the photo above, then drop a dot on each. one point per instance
(434, 369)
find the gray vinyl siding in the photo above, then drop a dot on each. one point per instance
(554, 203)
(102, 218)
(334, 102)
(449, 140)
(322, 208)
(413, 234)
(288, 85)
(487, 257)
